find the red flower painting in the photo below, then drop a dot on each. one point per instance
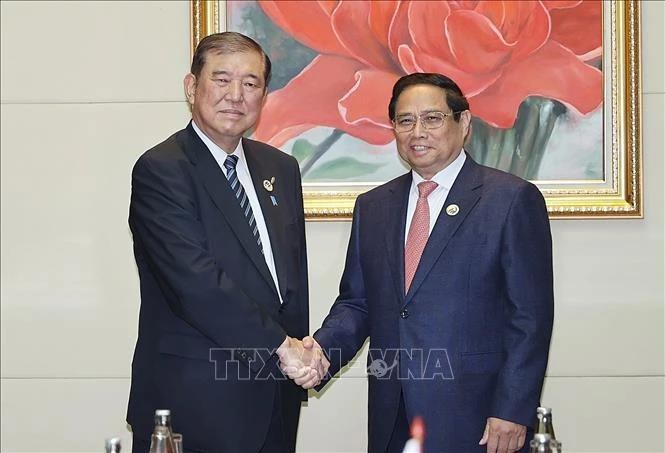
(531, 70)
(499, 52)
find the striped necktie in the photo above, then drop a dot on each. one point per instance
(231, 174)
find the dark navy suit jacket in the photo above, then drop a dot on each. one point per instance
(208, 300)
(470, 340)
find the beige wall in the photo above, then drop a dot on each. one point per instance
(87, 87)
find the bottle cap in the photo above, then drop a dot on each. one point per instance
(162, 412)
(112, 441)
(544, 411)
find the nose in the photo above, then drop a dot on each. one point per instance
(234, 92)
(418, 129)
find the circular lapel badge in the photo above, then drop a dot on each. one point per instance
(452, 210)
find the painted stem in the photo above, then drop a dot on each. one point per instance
(320, 150)
(520, 149)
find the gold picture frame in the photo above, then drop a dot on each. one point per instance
(617, 195)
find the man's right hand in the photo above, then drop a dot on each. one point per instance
(318, 361)
(303, 361)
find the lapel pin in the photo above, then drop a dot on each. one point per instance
(274, 200)
(452, 210)
(268, 184)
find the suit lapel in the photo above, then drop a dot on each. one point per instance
(271, 214)
(465, 195)
(395, 222)
(215, 182)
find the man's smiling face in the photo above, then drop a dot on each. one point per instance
(227, 96)
(428, 151)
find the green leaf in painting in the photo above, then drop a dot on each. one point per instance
(342, 168)
(302, 149)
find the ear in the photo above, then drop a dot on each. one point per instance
(465, 121)
(190, 87)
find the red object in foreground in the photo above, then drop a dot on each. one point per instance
(418, 429)
(415, 444)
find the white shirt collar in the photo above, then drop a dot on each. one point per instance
(218, 153)
(446, 177)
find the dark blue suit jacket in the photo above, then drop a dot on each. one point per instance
(207, 297)
(471, 338)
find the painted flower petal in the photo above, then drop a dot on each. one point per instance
(426, 27)
(482, 54)
(465, 4)
(398, 33)
(367, 102)
(558, 4)
(580, 29)
(381, 16)
(516, 15)
(526, 25)
(311, 99)
(315, 32)
(534, 33)
(552, 72)
(407, 59)
(469, 83)
(493, 10)
(351, 24)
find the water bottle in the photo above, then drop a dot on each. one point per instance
(543, 443)
(163, 418)
(162, 436)
(161, 441)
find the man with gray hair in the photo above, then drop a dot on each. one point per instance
(219, 240)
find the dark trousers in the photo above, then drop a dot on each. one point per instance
(281, 437)
(400, 433)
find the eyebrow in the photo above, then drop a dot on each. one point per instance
(422, 112)
(222, 72)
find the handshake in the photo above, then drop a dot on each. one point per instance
(303, 361)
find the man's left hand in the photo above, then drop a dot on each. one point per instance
(502, 436)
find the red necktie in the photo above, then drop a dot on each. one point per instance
(418, 233)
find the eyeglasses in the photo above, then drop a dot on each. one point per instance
(429, 121)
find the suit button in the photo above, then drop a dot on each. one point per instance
(404, 313)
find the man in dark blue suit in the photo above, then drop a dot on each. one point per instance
(219, 241)
(449, 273)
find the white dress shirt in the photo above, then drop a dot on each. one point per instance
(445, 179)
(242, 170)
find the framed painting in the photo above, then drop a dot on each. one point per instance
(553, 87)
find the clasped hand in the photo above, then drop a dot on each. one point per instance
(303, 361)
